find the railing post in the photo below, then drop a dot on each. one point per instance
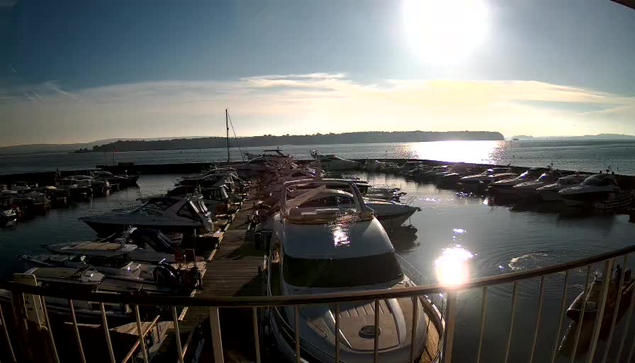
(616, 308)
(337, 332)
(450, 321)
(296, 323)
(217, 341)
(376, 339)
(563, 306)
(606, 282)
(539, 314)
(142, 340)
(482, 333)
(177, 334)
(511, 321)
(581, 318)
(415, 322)
(6, 335)
(76, 328)
(256, 334)
(104, 322)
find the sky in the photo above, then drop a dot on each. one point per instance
(78, 71)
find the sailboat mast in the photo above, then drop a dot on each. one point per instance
(227, 127)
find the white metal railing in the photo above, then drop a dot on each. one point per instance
(605, 314)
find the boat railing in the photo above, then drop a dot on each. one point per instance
(602, 316)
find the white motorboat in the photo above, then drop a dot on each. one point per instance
(598, 188)
(187, 215)
(505, 187)
(320, 246)
(549, 193)
(333, 162)
(20, 186)
(391, 214)
(480, 182)
(119, 266)
(528, 188)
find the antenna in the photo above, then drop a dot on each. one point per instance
(227, 127)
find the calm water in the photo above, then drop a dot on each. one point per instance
(569, 155)
(498, 239)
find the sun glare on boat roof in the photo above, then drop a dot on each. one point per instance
(444, 31)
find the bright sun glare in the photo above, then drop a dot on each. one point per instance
(452, 266)
(443, 31)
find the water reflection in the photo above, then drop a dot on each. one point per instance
(452, 266)
(466, 151)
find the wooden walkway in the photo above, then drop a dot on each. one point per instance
(233, 269)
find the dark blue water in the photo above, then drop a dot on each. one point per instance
(568, 155)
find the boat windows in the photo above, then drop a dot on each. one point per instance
(345, 272)
(155, 207)
(599, 181)
(186, 212)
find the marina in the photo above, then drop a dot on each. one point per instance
(455, 248)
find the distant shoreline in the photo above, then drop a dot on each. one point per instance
(271, 140)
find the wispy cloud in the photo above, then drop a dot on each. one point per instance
(308, 103)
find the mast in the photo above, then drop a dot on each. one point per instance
(227, 127)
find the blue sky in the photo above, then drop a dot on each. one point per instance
(84, 70)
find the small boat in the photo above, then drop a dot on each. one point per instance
(591, 300)
(599, 190)
(528, 188)
(20, 186)
(333, 162)
(123, 180)
(322, 246)
(505, 187)
(390, 214)
(77, 188)
(480, 182)
(549, 193)
(119, 266)
(187, 215)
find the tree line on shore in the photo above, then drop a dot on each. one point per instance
(315, 139)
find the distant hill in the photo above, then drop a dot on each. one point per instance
(272, 140)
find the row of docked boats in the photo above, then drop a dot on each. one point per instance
(507, 185)
(22, 200)
(322, 234)
(157, 248)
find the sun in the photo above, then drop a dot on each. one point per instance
(444, 31)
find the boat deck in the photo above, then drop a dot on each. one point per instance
(233, 269)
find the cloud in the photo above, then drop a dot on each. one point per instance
(307, 103)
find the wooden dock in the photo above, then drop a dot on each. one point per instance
(233, 269)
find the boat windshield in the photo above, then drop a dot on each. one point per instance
(155, 207)
(345, 272)
(598, 181)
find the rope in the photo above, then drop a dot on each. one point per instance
(242, 154)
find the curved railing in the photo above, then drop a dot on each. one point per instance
(446, 324)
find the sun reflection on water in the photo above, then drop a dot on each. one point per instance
(452, 266)
(459, 151)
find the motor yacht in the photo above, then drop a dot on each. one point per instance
(528, 188)
(549, 193)
(76, 188)
(321, 245)
(505, 187)
(481, 181)
(20, 186)
(596, 189)
(123, 180)
(333, 162)
(391, 214)
(187, 215)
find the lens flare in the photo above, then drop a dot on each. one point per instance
(452, 266)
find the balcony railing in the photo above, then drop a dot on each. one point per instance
(603, 314)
